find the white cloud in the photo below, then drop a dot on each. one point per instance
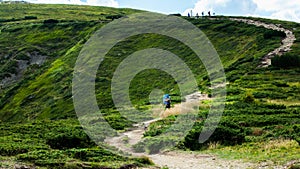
(276, 9)
(276, 5)
(111, 3)
(280, 9)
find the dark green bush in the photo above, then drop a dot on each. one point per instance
(10, 67)
(9, 20)
(93, 155)
(248, 98)
(70, 139)
(287, 60)
(227, 133)
(145, 160)
(263, 120)
(269, 94)
(117, 121)
(233, 77)
(268, 34)
(154, 145)
(233, 91)
(30, 17)
(44, 158)
(280, 84)
(13, 149)
(22, 56)
(51, 21)
(113, 17)
(283, 131)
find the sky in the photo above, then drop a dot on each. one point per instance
(275, 9)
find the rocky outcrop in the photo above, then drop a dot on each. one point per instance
(34, 59)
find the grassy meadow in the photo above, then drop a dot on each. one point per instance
(261, 120)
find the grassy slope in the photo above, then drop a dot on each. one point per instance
(46, 89)
(56, 97)
(264, 103)
(273, 116)
(45, 92)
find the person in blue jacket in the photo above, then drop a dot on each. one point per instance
(167, 101)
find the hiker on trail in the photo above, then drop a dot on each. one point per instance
(167, 101)
(208, 13)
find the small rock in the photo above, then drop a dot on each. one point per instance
(21, 167)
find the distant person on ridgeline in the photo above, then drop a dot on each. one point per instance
(167, 101)
(209, 13)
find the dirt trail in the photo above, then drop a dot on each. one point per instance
(173, 159)
(180, 159)
(286, 43)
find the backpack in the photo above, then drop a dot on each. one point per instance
(166, 99)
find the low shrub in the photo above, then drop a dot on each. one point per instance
(145, 160)
(226, 133)
(283, 131)
(22, 56)
(30, 17)
(113, 17)
(13, 149)
(93, 155)
(69, 139)
(287, 60)
(154, 145)
(51, 21)
(280, 84)
(117, 121)
(248, 98)
(44, 158)
(268, 34)
(269, 94)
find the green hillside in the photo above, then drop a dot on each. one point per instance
(39, 45)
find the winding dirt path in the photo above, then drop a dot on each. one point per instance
(286, 43)
(173, 159)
